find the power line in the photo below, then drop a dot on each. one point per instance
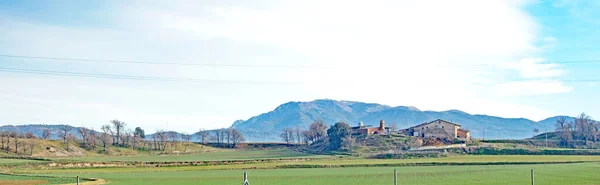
(130, 77)
(260, 65)
(155, 63)
(172, 79)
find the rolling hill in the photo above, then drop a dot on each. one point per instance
(37, 129)
(267, 126)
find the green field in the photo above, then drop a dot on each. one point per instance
(18, 161)
(558, 174)
(322, 170)
(12, 179)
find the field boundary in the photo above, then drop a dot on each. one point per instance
(86, 180)
(25, 158)
(425, 164)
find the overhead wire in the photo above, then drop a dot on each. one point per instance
(260, 65)
(132, 77)
(173, 79)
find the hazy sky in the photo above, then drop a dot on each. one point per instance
(502, 58)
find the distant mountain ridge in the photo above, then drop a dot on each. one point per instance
(37, 129)
(267, 126)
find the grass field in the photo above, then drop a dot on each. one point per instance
(329, 170)
(22, 180)
(547, 174)
(318, 161)
(18, 161)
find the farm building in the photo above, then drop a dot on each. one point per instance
(361, 129)
(438, 129)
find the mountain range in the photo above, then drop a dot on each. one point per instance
(267, 126)
(37, 129)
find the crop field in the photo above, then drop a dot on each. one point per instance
(319, 170)
(547, 174)
(22, 180)
(18, 161)
(208, 156)
(276, 172)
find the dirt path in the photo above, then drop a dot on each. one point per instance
(22, 182)
(91, 182)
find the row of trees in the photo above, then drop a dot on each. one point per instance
(23, 141)
(339, 136)
(582, 128)
(117, 134)
(315, 132)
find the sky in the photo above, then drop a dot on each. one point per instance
(186, 65)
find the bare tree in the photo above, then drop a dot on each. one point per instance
(173, 138)
(70, 137)
(106, 135)
(64, 132)
(137, 139)
(15, 136)
(308, 136)
(585, 127)
(287, 135)
(91, 138)
(118, 130)
(46, 134)
(203, 136)
(220, 136)
(186, 138)
(163, 139)
(127, 134)
(3, 135)
(237, 137)
(318, 129)
(298, 134)
(564, 130)
(31, 145)
(228, 136)
(83, 133)
(155, 140)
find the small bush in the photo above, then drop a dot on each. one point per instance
(407, 155)
(522, 151)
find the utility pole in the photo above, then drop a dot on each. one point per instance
(395, 177)
(246, 179)
(532, 179)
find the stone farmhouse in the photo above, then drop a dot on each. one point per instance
(438, 129)
(361, 129)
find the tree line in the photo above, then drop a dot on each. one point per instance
(12, 140)
(582, 128)
(117, 134)
(338, 136)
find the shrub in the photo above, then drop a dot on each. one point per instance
(408, 155)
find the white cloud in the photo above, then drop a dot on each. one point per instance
(529, 88)
(339, 34)
(549, 43)
(536, 68)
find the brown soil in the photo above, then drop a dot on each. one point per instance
(92, 182)
(22, 182)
